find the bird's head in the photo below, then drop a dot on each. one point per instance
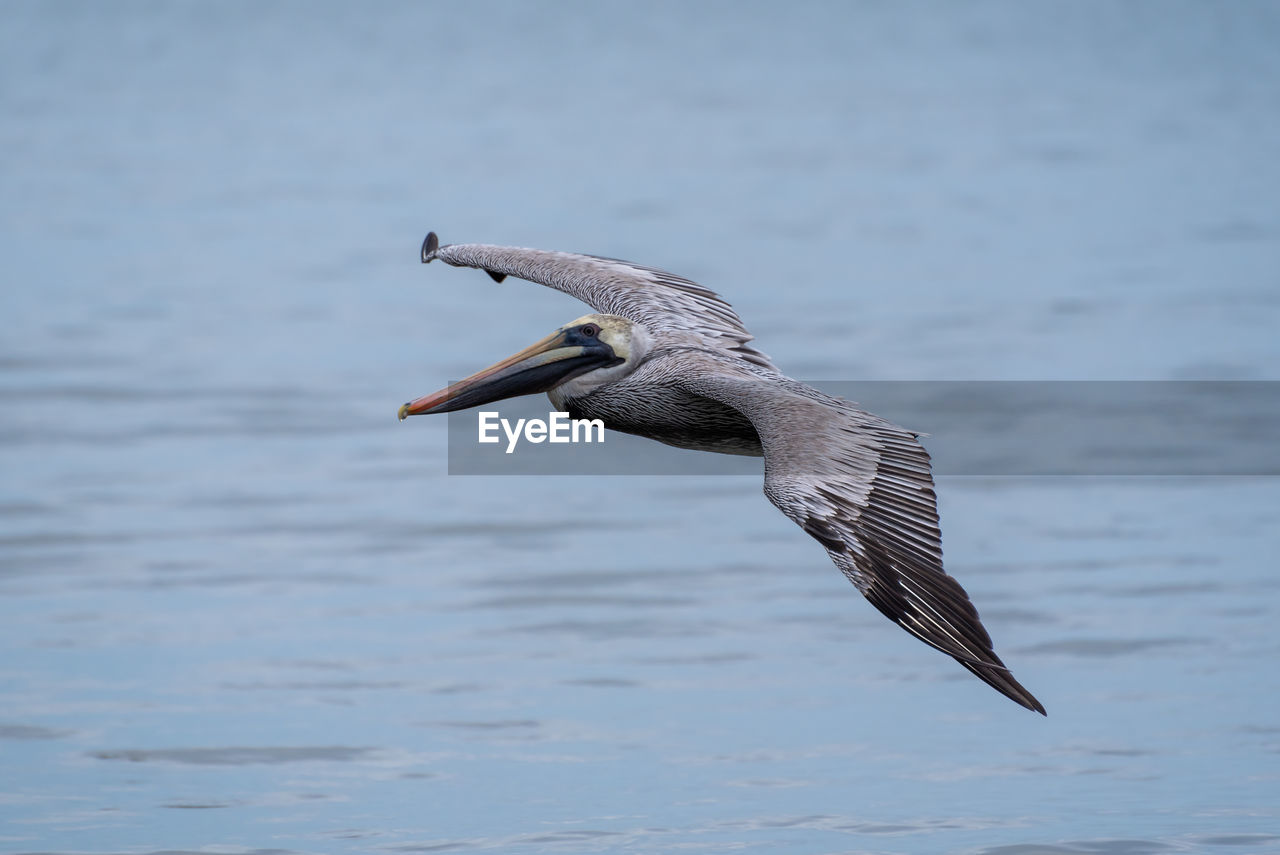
(578, 357)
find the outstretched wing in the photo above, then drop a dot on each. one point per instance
(861, 487)
(659, 300)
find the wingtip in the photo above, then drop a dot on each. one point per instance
(429, 247)
(1000, 679)
(1030, 701)
(1037, 706)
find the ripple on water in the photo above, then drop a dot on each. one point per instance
(1105, 647)
(31, 731)
(1127, 846)
(516, 724)
(179, 852)
(1238, 839)
(236, 756)
(1103, 847)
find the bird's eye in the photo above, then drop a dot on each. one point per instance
(590, 330)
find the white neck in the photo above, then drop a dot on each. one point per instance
(632, 350)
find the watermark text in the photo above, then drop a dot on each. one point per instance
(557, 427)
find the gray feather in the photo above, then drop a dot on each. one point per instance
(862, 487)
(663, 302)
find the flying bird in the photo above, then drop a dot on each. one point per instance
(665, 358)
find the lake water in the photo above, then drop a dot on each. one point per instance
(243, 610)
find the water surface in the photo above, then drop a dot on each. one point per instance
(243, 610)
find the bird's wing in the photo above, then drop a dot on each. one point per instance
(861, 487)
(659, 300)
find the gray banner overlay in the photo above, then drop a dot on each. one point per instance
(986, 428)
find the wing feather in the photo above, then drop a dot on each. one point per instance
(861, 487)
(663, 302)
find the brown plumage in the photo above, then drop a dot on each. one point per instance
(668, 359)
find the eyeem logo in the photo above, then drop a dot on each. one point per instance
(557, 428)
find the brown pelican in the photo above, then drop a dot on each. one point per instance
(668, 359)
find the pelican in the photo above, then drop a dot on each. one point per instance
(665, 358)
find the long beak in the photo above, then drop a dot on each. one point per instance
(538, 368)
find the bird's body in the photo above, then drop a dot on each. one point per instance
(668, 359)
(651, 403)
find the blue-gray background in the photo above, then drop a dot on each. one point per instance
(242, 608)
